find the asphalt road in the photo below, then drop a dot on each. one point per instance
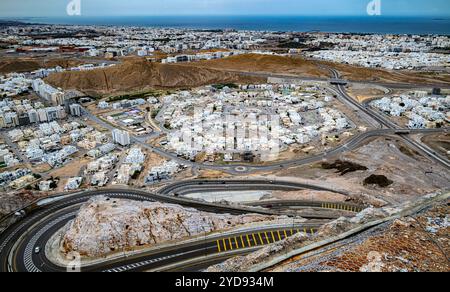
(18, 243)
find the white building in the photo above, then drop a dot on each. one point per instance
(75, 110)
(121, 137)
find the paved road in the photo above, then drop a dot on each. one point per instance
(383, 84)
(244, 169)
(17, 243)
(183, 188)
(385, 122)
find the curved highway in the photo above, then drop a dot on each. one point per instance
(243, 169)
(321, 210)
(192, 186)
(19, 241)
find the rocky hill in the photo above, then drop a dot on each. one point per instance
(136, 74)
(266, 64)
(9, 65)
(106, 225)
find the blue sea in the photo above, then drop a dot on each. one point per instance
(347, 24)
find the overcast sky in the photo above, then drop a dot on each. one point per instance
(33, 8)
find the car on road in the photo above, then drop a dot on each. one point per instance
(37, 250)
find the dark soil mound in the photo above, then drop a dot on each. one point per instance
(380, 180)
(343, 167)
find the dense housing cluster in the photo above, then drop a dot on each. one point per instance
(249, 118)
(422, 110)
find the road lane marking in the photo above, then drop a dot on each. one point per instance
(236, 242)
(242, 241)
(260, 238)
(218, 245)
(279, 235)
(267, 237)
(248, 241)
(273, 236)
(224, 245)
(285, 234)
(254, 239)
(231, 245)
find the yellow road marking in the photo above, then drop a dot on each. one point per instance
(285, 234)
(260, 238)
(218, 246)
(242, 241)
(292, 232)
(231, 245)
(267, 237)
(312, 230)
(279, 235)
(304, 230)
(254, 239)
(248, 241)
(224, 245)
(237, 244)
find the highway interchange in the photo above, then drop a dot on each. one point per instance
(38, 223)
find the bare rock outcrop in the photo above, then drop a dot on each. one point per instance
(137, 74)
(105, 225)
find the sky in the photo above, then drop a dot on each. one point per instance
(47, 8)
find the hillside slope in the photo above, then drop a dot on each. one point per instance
(137, 74)
(266, 64)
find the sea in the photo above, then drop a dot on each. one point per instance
(336, 24)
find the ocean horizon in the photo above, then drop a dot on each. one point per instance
(333, 24)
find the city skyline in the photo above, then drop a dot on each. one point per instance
(57, 8)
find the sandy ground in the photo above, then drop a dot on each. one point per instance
(308, 195)
(235, 196)
(413, 175)
(439, 142)
(362, 92)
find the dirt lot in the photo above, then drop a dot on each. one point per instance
(363, 92)
(309, 195)
(439, 142)
(412, 175)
